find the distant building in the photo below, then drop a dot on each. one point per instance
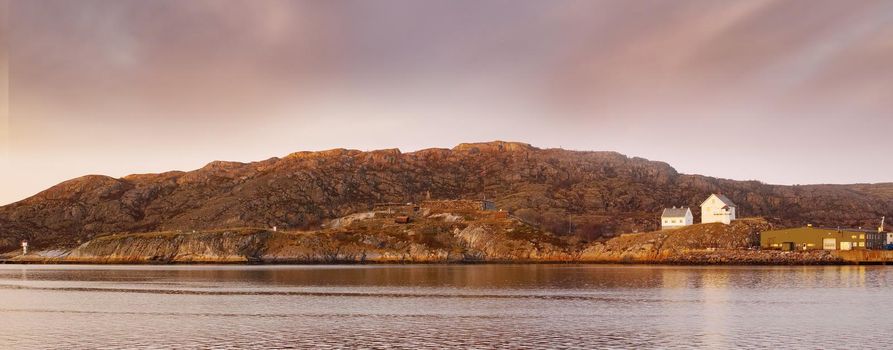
(718, 208)
(395, 208)
(815, 238)
(674, 217)
(889, 235)
(460, 204)
(876, 240)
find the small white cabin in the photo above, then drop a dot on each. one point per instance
(718, 208)
(675, 218)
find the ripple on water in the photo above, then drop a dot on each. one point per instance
(535, 307)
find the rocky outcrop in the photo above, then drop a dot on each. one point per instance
(243, 245)
(364, 237)
(369, 239)
(588, 195)
(705, 244)
(672, 245)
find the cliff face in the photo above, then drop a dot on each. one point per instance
(584, 194)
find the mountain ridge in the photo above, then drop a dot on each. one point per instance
(592, 194)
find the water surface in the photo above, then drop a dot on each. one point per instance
(445, 306)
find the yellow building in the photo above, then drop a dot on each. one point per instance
(809, 238)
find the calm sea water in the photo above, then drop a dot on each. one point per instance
(445, 306)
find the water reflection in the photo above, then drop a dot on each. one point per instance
(443, 306)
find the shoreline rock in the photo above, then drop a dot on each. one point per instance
(442, 238)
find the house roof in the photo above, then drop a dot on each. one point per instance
(845, 229)
(674, 212)
(722, 198)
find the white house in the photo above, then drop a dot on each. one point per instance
(718, 208)
(675, 218)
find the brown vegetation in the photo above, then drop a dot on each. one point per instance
(589, 196)
(441, 237)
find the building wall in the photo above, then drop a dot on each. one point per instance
(667, 223)
(812, 238)
(710, 214)
(394, 208)
(876, 240)
(712, 211)
(459, 205)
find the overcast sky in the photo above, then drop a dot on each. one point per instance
(778, 91)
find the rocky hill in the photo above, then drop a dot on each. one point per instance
(704, 244)
(586, 195)
(434, 236)
(431, 235)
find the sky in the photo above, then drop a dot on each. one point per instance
(786, 92)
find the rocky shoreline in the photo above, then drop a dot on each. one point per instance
(688, 257)
(439, 238)
(694, 259)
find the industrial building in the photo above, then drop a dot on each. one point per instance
(816, 238)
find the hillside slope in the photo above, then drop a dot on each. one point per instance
(713, 243)
(586, 194)
(431, 236)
